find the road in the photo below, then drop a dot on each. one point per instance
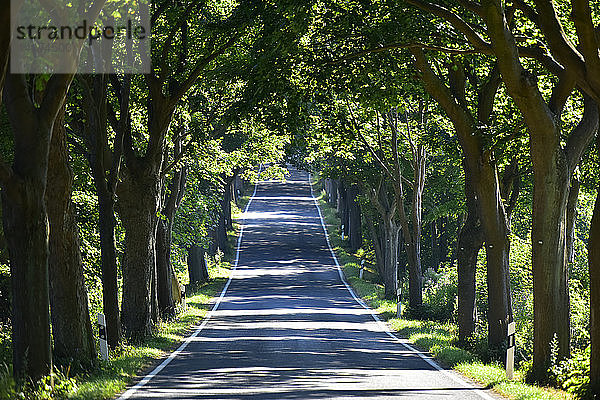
(288, 327)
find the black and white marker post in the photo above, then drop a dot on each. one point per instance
(342, 229)
(362, 269)
(182, 290)
(510, 351)
(102, 335)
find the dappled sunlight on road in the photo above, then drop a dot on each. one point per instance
(288, 327)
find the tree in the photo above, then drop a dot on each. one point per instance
(25, 217)
(71, 325)
(141, 186)
(553, 163)
(90, 135)
(481, 173)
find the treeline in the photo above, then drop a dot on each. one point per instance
(471, 123)
(110, 178)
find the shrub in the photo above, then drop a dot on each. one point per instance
(440, 292)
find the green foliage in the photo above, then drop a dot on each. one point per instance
(5, 292)
(440, 292)
(573, 374)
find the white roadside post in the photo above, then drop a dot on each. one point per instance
(102, 335)
(342, 232)
(206, 263)
(510, 352)
(399, 300)
(362, 269)
(182, 289)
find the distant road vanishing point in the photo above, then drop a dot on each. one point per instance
(288, 327)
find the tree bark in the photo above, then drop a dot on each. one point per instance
(342, 207)
(227, 197)
(390, 240)
(550, 275)
(167, 279)
(376, 240)
(71, 326)
(166, 301)
(571, 217)
(332, 195)
(25, 220)
(497, 246)
(470, 241)
(139, 197)
(26, 229)
(108, 253)
(197, 265)
(594, 270)
(101, 160)
(436, 257)
(444, 227)
(354, 219)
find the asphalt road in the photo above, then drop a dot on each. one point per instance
(288, 328)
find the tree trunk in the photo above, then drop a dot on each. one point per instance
(138, 205)
(342, 207)
(495, 227)
(227, 196)
(220, 234)
(354, 219)
(26, 230)
(390, 257)
(108, 253)
(98, 154)
(332, 197)
(376, 241)
(436, 258)
(197, 265)
(571, 217)
(71, 326)
(167, 279)
(551, 312)
(26, 223)
(415, 276)
(444, 224)
(470, 241)
(166, 302)
(594, 269)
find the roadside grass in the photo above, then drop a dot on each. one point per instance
(437, 338)
(113, 376)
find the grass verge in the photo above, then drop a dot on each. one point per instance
(433, 337)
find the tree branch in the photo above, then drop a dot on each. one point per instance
(457, 22)
(583, 133)
(392, 46)
(191, 79)
(588, 40)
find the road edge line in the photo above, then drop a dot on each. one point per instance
(131, 391)
(384, 325)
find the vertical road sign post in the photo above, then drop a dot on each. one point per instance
(510, 352)
(102, 335)
(342, 232)
(399, 300)
(362, 269)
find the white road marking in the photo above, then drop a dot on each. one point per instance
(131, 391)
(384, 326)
